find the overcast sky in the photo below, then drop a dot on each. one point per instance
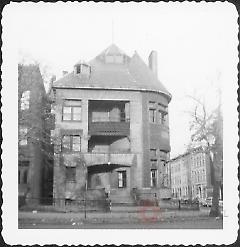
(196, 44)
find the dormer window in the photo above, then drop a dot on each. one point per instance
(114, 58)
(82, 69)
(78, 69)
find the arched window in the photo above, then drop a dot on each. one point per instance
(25, 100)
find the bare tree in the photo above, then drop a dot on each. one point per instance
(34, 117)
(207, 130)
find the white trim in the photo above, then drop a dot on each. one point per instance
(121, 88)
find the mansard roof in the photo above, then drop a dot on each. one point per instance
(132, 74)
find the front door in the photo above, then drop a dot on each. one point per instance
(99, 180)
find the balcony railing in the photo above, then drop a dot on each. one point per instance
(93, 159)
(108, 158)
(109, 128)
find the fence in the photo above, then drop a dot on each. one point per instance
(147, 201)
(63, 204)
(183, 204)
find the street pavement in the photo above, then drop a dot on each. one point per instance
(143, 217)
(210, 223)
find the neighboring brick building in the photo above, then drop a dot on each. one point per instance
(111, 128)
(190, 175)
(33, 138)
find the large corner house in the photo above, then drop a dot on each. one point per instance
(111, 129)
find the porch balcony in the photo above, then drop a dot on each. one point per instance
(108, 158)
(109, 128)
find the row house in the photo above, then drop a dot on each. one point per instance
(111, 128)
(190, 175)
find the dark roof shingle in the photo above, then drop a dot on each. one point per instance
(133, 74)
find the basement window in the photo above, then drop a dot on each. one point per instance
(122, 179)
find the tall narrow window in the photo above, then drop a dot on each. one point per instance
(153, 153)
(127, 112)
(162, 117)
(66, 143)
(19, 177)
(76, 143)
(152, 112)
(72, 110)
(77, 113)
(162, 113)
(70, 174)
(23, 136)
(152, 115)
(163, 155)
(25, 177)
(25, 100)
(122, 179)
(67, 113)
(71, 143)
(154, 178)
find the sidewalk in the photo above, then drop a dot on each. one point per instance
(143, 214)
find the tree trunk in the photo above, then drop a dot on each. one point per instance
(215, 212)
(221, 186)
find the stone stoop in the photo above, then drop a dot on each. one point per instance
(121, 198)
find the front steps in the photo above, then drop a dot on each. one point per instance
(121, 198)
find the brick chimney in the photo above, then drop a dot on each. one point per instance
(152, 62)
(53, 78)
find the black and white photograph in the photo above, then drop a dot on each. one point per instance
(120, 119)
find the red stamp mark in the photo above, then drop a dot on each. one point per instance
(149, 213)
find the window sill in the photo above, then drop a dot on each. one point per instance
(72, 121)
